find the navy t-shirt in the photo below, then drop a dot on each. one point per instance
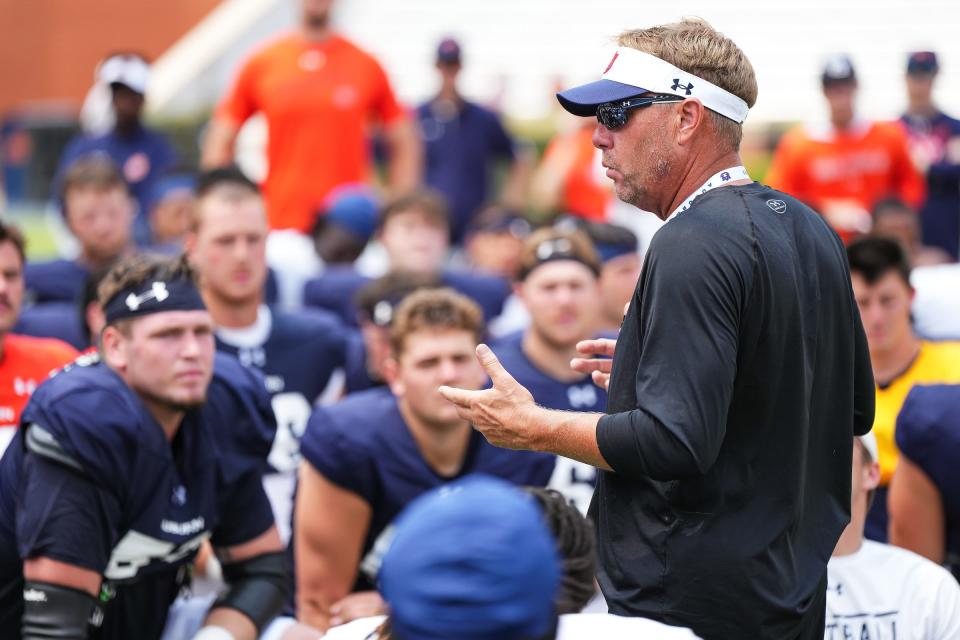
(91, 480)
(363, 445)
(573, 479)
(335, 290)
(940, 214)
(54, 280)
(297, 359)
(928, 433)
(460, 154)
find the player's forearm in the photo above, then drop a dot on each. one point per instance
(218, 144)
(569, 434)
(231, 621)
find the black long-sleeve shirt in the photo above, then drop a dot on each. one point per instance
(740, 378)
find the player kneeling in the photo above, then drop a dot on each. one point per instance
(116, 478)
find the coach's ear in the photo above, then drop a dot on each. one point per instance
(690, 116)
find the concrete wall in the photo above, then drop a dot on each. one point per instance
(49, 48)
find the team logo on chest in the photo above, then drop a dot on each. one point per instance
(582, 396)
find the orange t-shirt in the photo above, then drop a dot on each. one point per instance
(319, 100)
(587, 192)
(25, 363)
(861, 165)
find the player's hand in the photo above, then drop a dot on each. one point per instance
(362, 604)
(502, 413)
(598, 368)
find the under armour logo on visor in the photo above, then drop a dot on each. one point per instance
(158, 291)
(686, 87)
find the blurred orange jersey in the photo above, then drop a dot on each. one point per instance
(859, 166)
(24, 364)
(320, 100)
(587, 192)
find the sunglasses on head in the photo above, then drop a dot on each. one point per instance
(613, 115)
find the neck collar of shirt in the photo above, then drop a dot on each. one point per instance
(720, 178)
(251, 336)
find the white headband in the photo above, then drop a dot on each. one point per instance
(650, 73)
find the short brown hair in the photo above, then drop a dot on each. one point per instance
(137, 270)
(580, 248)
(228, 183)
(430, 203)
(434, 309)
(697, 48)
(10, 233)
(92, 172)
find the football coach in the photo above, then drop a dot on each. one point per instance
(741, 372)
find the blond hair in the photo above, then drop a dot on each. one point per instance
(434, 309)
(697, 48)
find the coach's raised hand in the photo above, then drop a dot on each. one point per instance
(502, 413)
(598, 368)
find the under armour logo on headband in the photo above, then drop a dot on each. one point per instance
(686, 87)
(550, 248)
(158, 291)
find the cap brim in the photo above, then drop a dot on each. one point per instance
(584, 100)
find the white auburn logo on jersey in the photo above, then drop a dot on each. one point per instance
(137, 550)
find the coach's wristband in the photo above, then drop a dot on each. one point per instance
(214, 633)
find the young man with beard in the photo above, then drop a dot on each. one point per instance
(558, 286)
(117, 477)
(296, 352)
(369, 456)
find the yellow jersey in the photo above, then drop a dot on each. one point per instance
(937, 363)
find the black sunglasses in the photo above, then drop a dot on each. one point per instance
(613, 115)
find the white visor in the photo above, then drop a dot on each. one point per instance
(632, 71)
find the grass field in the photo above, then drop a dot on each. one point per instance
(40, 234)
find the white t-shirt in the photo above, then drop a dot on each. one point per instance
(582, 626)
(884, 592)
(936, 305)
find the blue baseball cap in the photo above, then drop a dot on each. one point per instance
(180, 184)
(472, 560)
(922, 63)
(353, 207)
(448, 51)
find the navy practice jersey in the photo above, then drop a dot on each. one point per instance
(297, 358)
(91, 480)
(54, 281)
(63, 280)
(928, 432)
(363, 445)
(356, 375)
(335, 290)
(573, 479)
